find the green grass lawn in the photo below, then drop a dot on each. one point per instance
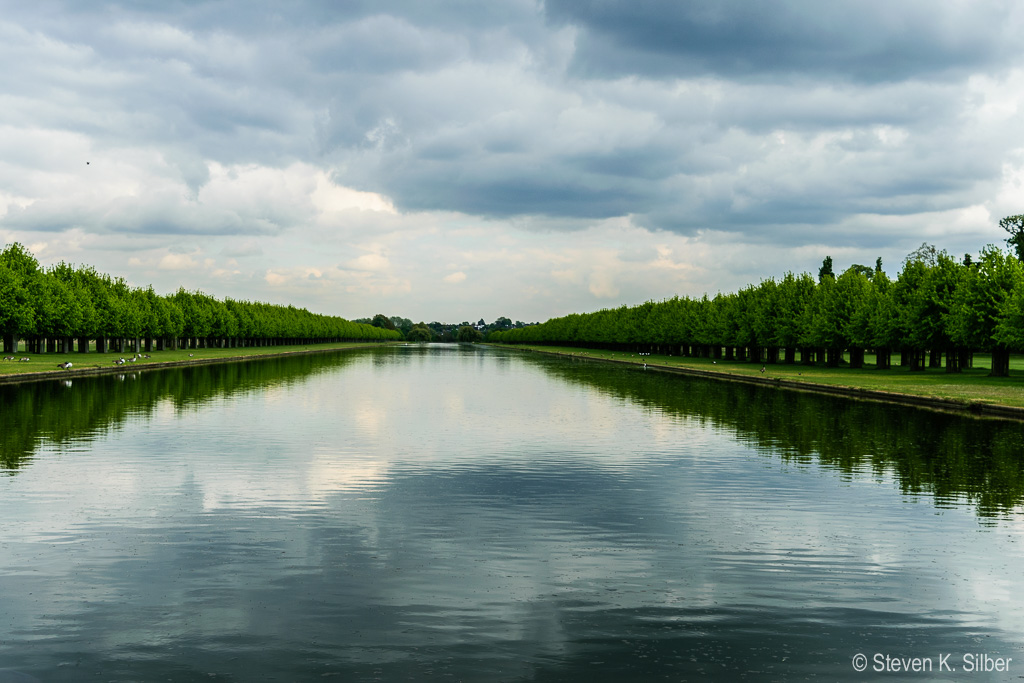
(972, 384)
(46, 362)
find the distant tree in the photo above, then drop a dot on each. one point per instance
(1015, 226)
(468, 333)
(926, 254)
(826, 269)
(878, 264)
(502, 324)
(401, 323)
(382, 321)
(419, 333)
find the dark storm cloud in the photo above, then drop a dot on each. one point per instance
(863, 41)
(686, 115)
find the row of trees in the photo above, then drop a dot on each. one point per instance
(50, 309)
(442, 332)
(937, 305)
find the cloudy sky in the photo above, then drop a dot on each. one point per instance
(462, 159)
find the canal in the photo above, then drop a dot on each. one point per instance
(444, 512)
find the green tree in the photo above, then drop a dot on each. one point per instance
(792, 296)
(382, 321)
(979, 309)
(1015, 226)
(19, 271)
(16, 311)
(468, 333)
(826, 269)
(853, 289)
(419, 333)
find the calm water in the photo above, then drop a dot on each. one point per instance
(457, 513)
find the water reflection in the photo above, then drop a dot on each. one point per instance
(475, 515)
(950, 457)
(67, 412)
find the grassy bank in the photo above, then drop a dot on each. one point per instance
(971, 386)
(92, 362)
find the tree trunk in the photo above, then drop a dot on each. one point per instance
(935, 358)
(1000, 363)
(952, 360)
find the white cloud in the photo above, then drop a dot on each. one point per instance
(455, 278)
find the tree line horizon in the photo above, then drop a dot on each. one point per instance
(937, 306)
(50, 309)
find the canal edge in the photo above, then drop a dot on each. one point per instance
(21, 378)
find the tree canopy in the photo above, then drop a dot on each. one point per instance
(936, 304)
(64, 302)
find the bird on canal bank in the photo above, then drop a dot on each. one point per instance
(66, 365)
